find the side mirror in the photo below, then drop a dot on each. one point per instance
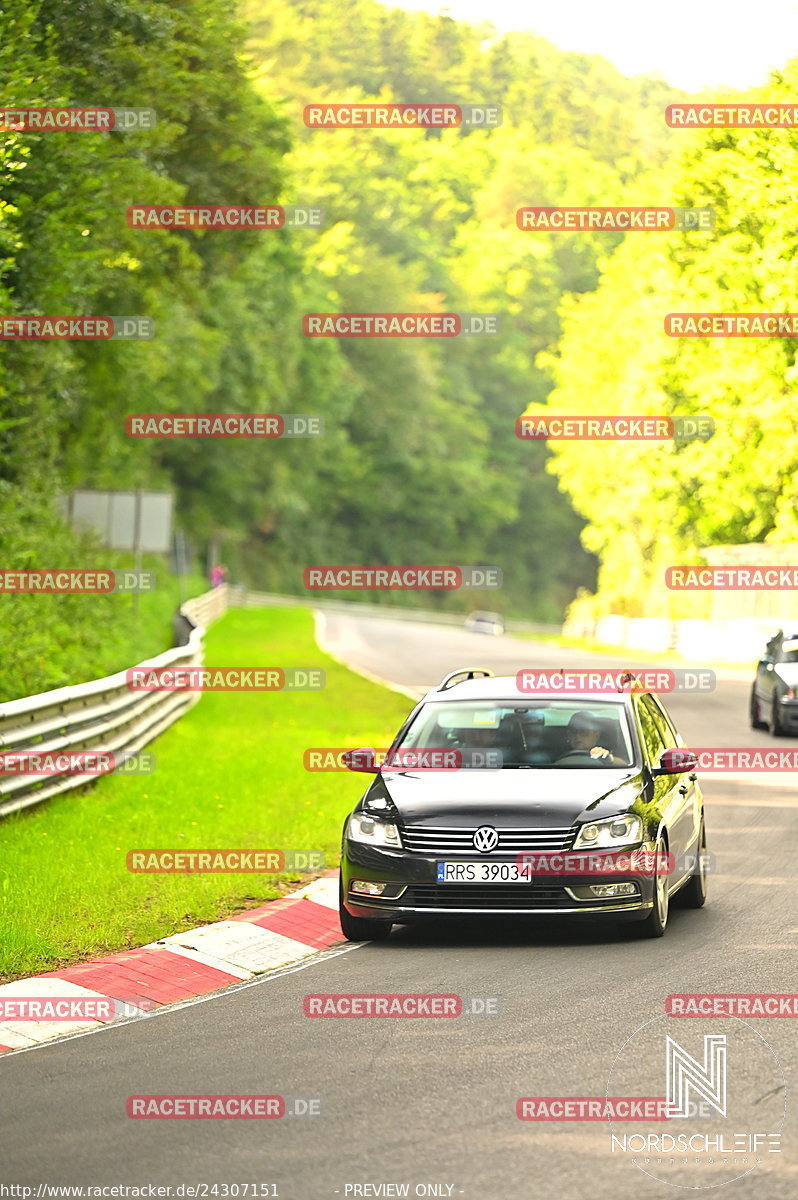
(675, 762)
(364, 759)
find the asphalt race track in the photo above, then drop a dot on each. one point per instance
(433, 1102)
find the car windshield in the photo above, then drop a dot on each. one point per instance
(566, 734)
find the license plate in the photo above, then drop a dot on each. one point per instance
(481, 872)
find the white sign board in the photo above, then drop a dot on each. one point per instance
(124, 520)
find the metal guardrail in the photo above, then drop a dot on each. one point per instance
(103, 716)
(208, 607)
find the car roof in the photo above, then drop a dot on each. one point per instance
(504, 687)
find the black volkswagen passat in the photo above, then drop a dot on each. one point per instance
(491, 801)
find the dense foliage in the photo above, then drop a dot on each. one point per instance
(660, 503)
(420, 462)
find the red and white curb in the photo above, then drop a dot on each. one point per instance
(183, 965)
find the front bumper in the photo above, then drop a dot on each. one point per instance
(418, 894)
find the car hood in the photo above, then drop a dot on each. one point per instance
(510, 798)
(788, 673)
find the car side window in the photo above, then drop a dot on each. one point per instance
(650, 731)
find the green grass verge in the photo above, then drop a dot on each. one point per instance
(229, 774)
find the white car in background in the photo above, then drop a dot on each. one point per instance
(485, 622)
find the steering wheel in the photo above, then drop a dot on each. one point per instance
(576, 754)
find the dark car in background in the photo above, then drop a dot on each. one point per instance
(562, 783)
(774, 695)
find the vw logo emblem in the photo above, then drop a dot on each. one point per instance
(486, 839)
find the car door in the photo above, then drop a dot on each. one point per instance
(673, 797)
(688, 821)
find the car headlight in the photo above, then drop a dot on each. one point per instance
(616, 831)
(366, 829)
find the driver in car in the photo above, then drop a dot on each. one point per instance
(582, 736)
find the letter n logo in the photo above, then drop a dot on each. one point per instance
(686, 1074)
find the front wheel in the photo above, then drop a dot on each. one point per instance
(656, 921)
(360, 929)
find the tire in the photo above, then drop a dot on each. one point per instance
(753, 712)
(694, 893)
(657, 920)
(776, 727)
(360, 929)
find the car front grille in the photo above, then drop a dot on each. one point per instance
(492, 896)
(443, 839)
